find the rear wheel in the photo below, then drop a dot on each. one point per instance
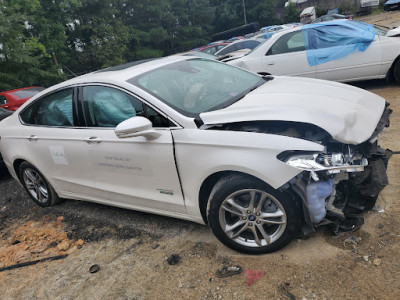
(249, 216)
(36, 185)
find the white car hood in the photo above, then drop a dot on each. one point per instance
(394, 32)
(350, 115)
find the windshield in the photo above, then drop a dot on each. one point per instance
(262, 40)
(27, 93)
(380, 31)
(197, 85)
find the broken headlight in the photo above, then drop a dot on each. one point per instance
(329, 162)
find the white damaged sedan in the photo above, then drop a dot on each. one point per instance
(258, 159)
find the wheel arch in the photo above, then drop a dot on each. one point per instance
(209, 183)
(16, 165)
(390, 73)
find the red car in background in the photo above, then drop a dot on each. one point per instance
(13, 99)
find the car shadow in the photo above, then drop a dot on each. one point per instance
(373, 84)
(4, 175)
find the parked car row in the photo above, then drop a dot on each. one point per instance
(248, 42)
(391, 5)
(338, 50)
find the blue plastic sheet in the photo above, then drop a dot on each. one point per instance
(325, 42)
(267, 35)
(392, 2)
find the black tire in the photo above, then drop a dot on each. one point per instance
(275, 221)
(37, 186)
(396, 71)
(2, 164)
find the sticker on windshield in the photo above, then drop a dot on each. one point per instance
(58, 155)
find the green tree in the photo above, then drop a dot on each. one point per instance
(292, 13)
(38, 38)
(228, 14)
(24, 59)
(98, 38)
(263, 12)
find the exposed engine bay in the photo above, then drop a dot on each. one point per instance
(336, 185)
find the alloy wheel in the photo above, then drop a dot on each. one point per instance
(35, 185)
(252, 218)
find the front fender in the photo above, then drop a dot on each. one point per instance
(201, 153)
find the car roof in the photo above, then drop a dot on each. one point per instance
(124, 72)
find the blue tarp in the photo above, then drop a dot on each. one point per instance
(326, 42)
(392, 2)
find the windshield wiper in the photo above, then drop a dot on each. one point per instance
(268, 77)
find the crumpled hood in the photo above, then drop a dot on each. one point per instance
(350, 115)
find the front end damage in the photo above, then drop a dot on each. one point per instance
(335, 185)
(338, 185)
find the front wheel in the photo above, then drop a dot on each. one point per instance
(2, 164)
(36, 185)
(396, 71)
(249, 216)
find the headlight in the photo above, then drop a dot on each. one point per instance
(330, 162)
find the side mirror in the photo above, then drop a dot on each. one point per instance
(136, 126)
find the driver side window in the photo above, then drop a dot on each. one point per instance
(107, 107)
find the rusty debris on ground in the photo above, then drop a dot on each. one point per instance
(36, 240)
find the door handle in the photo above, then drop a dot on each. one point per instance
(93, 139)
(271, 64)
(32, 138)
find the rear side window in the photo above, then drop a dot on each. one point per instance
(291, 42)
(51, 110)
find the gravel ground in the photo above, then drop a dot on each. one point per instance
(132, 248)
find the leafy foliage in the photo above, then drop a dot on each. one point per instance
(292, 13)
(43, 42)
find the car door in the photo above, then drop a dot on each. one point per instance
(287, 56)
(56, 144)
(136, 172)
(358, 65)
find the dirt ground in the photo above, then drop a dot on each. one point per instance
(132, 248)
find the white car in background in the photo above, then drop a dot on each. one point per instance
(241, 45)
(256, 158)
(286, 53)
